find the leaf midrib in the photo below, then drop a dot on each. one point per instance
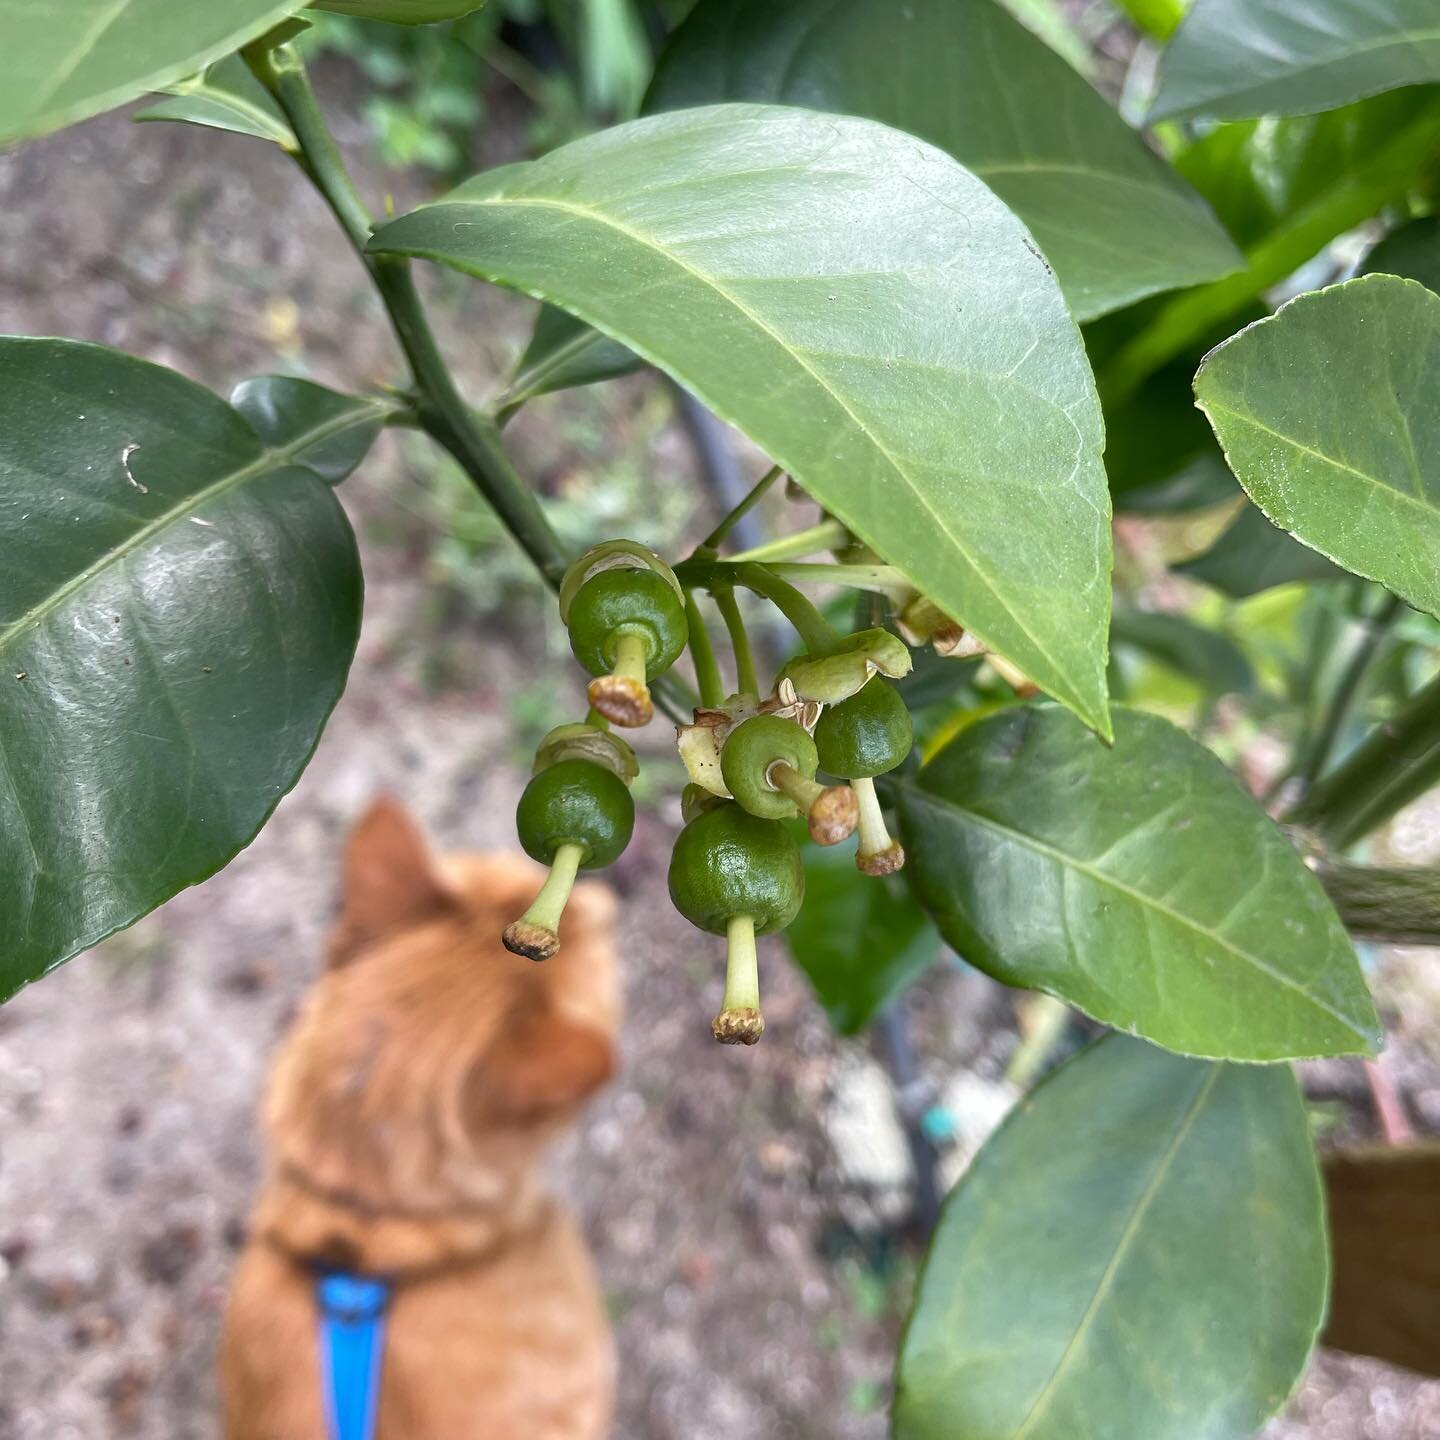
(1122, 1248)
(267, 460)
(650, 243)
(1100, 877)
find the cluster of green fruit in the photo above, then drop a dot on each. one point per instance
(753, 762)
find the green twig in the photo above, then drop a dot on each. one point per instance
(815, 631)
(1400, 906)
(827, 535)
(441, 410)
(1349, 687)
(702, 655)
(745, 680)
(717, 537)
(1396, 762)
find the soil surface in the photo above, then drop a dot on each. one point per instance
(740, 1203)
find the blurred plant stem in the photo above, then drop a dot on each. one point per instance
(1396, 762)
(1400, 906)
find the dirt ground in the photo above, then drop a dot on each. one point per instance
(736, 1201)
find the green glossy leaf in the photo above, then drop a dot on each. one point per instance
(860, 940)
(564, 352)
(402, 12)
(1139, 1251)
(1326, 413)
(68, 61)
(1232, 59)
(1412, 251)
(1212, 660)
(1259, 174)
(868, 313)
(226, 96)
(1114, 220)
(1383, 1201)
(178, 610)
(1139, 883)
(1254, 555)
(321, 429)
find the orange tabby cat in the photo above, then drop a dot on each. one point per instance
(407, 1114)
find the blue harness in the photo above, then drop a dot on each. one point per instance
(352, 1350)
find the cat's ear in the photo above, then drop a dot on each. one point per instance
(541, 1067)
(390, 881)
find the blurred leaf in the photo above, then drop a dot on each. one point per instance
(1233, 59)
(1139, 883)
(326, 432)
(1411, 251)
(1326, 414)
(179, 611)
(1385, 1243)
(1254, 555)
(1139, 1251)
(860, 940)
(1212, 660)
(1114, 220)
(1258, 174)
(69, 61)
(562, 352)
(225, 97)
(877, 363)
(401, 12)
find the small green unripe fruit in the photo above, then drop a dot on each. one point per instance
(627, 601)
(868, 734)
(576, 803)
(752, 748)
(627, 625)
(574, 815)
(727, 862)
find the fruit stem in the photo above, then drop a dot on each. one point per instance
(702, 656)
(825, 536)
(536, 934)
(830, 810)
(739, 1021)
(878, 853)
(622, 696)
(745, 679)
(720, 533)
(815, 631)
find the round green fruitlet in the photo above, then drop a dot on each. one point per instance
(868, 734)
(576, 803)
(623, 601)
(753, 747)
(627, 625)
(727, 862)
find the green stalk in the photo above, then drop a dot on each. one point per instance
(883, 579)
(1195, 314)
(702, 655)
(1399, 906)
(815, 631)
(441, 410)
(1398, 761)
(717, 537)
(827, 535)
(536, 934)
(1350, 686)
(745, 679)
(739, 1021)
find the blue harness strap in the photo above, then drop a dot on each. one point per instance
(352, 1350)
